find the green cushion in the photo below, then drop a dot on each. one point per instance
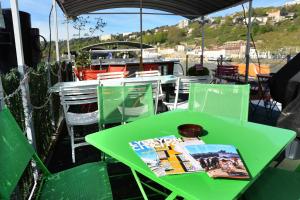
(275, 184)
(88, 181)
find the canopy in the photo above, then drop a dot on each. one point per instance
(188, 8)
(116, 45)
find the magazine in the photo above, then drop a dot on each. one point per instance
(219, 161)
(163, 158)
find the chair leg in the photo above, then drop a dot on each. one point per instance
(72, 144)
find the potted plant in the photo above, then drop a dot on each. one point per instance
(197, 70)
(83, 67)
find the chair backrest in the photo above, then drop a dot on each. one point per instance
(183, 85)
(124, 103)
(111, 75)
(227, 71)
(78, 95)
(15, 154)
(150, 67)
(155, 85)
(147, 73)
(116, 68)
(222, 100)
(73, 96)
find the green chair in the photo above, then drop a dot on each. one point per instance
(230, 101)
(88, 181)
(275, 184)
(120, 104)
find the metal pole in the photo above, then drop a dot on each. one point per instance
(68, 41)
(248, 41)
(141, 33)
(1, 96)
(21, 68)
(202, 40)
(56, 30)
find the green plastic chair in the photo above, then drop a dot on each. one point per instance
(231, 101)
(275, 184)
(124, 103)
(88, 181)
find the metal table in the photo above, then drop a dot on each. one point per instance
(164, 80)
(258, 145)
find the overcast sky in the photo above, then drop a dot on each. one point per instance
(39, 10)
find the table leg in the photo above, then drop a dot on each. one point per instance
(139, 184)
(172, 196)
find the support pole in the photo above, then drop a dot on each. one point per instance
(248, 41)
(202, 41)
(56, 30)
(141, 33)
(68, 41)
(22, 69)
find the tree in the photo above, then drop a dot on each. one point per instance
(80, 23)
(175, 35)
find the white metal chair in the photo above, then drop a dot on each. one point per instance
(111, 75)
(161, 95)
(70, 98)
(182, 87)
(147, 73)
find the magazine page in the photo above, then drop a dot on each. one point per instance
(220, 161)
(163, 158)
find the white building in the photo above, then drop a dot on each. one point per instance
(105, 37)
(260, 20)
(290, 3)
(183, 23)
(126, 34)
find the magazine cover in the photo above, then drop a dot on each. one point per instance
(219, 161)
(163, 159)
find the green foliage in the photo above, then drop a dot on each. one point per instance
(83, 59)
(159, 37)
(196, 29)
(175, 35)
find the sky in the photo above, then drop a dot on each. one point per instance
(39, 10)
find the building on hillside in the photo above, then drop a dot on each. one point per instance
(260, 20)
(105, 37)
(238, 20)
(275, 16)
(133, 36)
(290, 16)
(126, 34)
(183, 23)
(290, 3)
(180, 48)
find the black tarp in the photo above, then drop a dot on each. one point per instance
(283, 85)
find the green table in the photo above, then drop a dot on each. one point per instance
(258, 145)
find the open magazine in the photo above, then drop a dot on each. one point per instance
(219, 161)
(164, 156)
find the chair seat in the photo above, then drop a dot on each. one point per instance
(161, 96)
(275, 184)
(180, 105)
(88, 181)
(77, 119)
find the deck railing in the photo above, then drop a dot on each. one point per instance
(44, 116)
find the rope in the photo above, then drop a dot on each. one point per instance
(26, 76)
(43, 105)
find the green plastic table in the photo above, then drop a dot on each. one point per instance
(258, 145)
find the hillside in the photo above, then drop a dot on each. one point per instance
(273, 36)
